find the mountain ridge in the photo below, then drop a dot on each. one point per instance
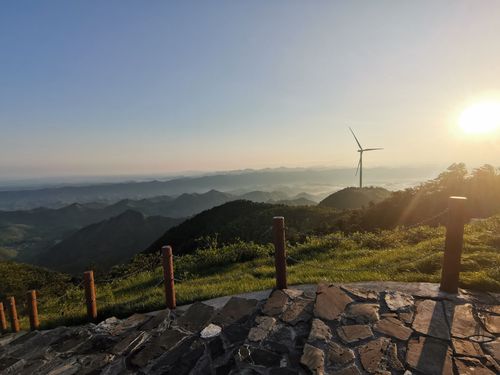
(102, 245)
(316, 179)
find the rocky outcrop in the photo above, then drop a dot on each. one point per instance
(325, 329)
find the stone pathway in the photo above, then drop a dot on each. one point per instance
(361, 328)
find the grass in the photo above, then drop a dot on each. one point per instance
(404, 255)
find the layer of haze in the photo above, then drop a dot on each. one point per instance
(131, 87)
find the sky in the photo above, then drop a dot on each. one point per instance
(132, 87)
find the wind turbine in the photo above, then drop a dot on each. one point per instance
(360, 163)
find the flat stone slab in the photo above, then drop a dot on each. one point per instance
(156, 347)
(493, 349)
(235, 310)
(430, 319)
(299, 310)
(471, 366)
(394, 328)
(276, 303)
(337, 355)
(314, 359)
(196, 317)
(353, 333)
(293, 293)
(360, 293)
(430, 356)
(372, 354)
(491, 323)
(331, 302)
(463, 323)
(363, 312)
(319, 331)
(467, 348)
(397, 301)
(264, 325)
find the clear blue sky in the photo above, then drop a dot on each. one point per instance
(113, 87)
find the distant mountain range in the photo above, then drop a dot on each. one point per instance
(26, 233)
(78, 236)
(99, 236)
(102, 245)
(290, 181)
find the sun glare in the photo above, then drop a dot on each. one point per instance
(480, 118)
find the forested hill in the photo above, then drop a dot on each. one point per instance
(105, 244)
(425, 203)
(17, 278)
(247, 221)
(353, 197)
(24, 234)
(481, 187)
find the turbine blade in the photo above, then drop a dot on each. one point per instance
(354, 135)
(372, 149)
(357, 169)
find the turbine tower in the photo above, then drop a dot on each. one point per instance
(360, 163)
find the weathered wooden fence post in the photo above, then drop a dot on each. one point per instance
(168, 276)
(14, 320)
(33, 310)
(279, 251)
(88, 278)
(453, 244)
(3, 321)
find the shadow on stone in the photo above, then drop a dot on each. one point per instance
(434, 354)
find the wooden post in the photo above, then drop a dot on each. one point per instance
(279, 251)
(88, 278)
(168, 276)
(14, 320)
(453, 244)
(33, 310)
(3, 321)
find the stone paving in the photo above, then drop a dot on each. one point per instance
(362, 328)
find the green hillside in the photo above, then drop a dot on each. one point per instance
(481, 186)
(102, 245)
(247, 221)
(426, 203)
(18, 278)
(25, 234)
(399, 255)
(353, 197)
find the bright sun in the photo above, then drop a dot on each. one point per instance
(480, 118)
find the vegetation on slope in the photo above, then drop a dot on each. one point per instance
(18, 278)
(25, 234)
(400, 255)
(481, 187)
(354, 197)
(246, 221)
(102, 245)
